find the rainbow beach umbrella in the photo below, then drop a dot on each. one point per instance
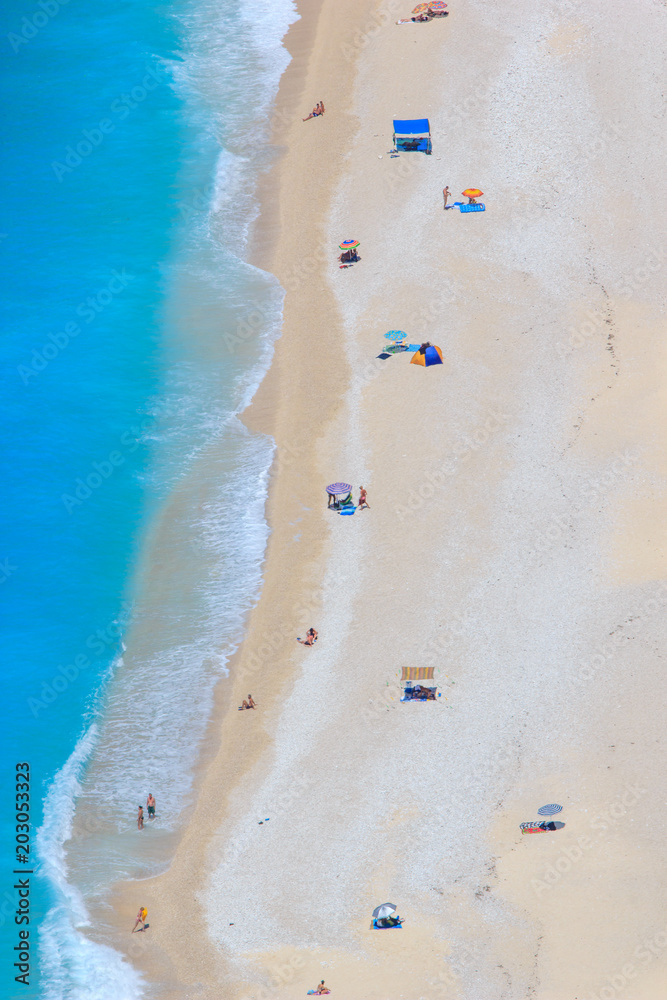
(436, 5)
(472, 193)
(349, 244)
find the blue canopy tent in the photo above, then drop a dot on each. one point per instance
(412, 134)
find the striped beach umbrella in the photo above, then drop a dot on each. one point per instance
(551, 810)
(337, 489)
(349, 244)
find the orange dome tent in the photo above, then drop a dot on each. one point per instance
(427, 355)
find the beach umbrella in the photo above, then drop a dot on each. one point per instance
(472, 193)
(349, 244)
(384, 911)
(551, 810)
(395, 335)
(436, 5)
(338, 489)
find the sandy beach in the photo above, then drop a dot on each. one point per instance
(515, 539)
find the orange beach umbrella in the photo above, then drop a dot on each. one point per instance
(435, 5)
(472, 193)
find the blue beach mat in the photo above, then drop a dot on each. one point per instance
(347, 510)
(381, 927)
(472, 208)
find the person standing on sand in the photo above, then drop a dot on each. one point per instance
(445, 195)
(363, 502)
(140, 818)
(150, 806)
(141, 919)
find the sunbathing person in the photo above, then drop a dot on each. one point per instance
(322, 989)
(316, 112)
(311, 636)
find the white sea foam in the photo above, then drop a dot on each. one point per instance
(72, 966)
(201, 570)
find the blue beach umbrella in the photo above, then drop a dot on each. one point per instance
(551, 810)
(395, 335)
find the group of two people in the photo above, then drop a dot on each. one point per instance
(316, 112)
(424, 15)
(150, 806)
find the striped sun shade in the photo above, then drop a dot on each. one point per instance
(417, 673)
(337, 488)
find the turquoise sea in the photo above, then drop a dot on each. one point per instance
(133, 529)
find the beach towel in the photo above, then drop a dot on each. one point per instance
(313, 993)
(347, 510)
(384, 355)
(472, 208)
(383, 927)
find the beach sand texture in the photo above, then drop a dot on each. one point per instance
(515, 540)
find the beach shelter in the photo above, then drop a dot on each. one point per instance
(423, 692)
(427, 355)
(417, 673)
(412, 134)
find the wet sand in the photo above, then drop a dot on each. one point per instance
(515, 540)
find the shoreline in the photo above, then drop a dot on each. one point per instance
(266, 414)
(494, 565)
